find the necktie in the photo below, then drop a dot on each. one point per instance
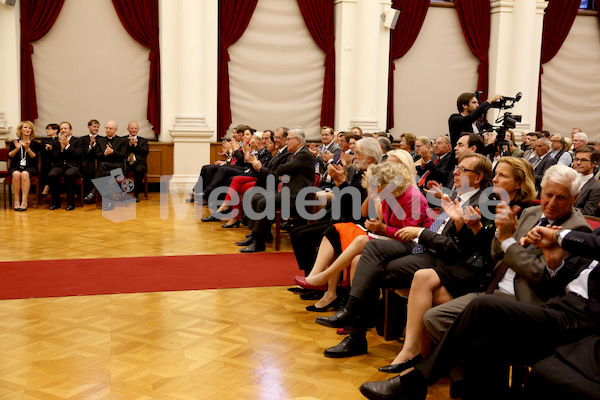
(501, 270)
(437, 223)
(424, 177)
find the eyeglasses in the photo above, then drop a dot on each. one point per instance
(463, 169)
(581, 160)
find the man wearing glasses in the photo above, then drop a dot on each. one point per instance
(542, 161)
(560, 154)
(392, 263)
(586, 158)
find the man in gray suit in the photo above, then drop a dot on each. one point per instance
(584, 162)
(521, 272)
(542, 160)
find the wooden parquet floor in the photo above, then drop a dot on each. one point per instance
(255, 343)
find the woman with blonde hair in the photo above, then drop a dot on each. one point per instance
(348, 239)
(514, 182)
(403, 157)
(23, 154)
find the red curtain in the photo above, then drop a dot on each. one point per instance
(318, 17)
(558, 19)
(234, 17)
(140, 20)
(474, 17)
(412, 15)
(37, 17)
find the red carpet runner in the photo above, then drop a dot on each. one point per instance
(55, 278)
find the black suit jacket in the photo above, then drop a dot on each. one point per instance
(70, 156)
(541, 168)
(271, 166)
(449, 246)
(89, 155)
(589, 197)
(119, 146)
(301, 169)
(441, 171)
(140, 151)
(458, 123)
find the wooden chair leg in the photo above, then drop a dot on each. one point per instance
(277, 229)
(146, 185)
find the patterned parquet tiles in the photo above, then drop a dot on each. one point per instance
(255, 343)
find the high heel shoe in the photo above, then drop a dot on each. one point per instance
(301, 280)
(334, 305)
(234, 225)
(23, 208)
(403, 366)
(210, 218)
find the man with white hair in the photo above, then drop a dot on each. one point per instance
(300, 172)
(580, 139)
(542, 160)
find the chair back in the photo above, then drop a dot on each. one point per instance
(593, 221)
(3, 162)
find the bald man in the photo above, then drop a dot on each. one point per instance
(137, 151)
(111, 151)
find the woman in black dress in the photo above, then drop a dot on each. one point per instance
(46, 155)
(23, 153)
(514, 180)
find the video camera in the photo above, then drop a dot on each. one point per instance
(507, 120)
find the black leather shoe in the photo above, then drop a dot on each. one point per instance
(253, 248)
(403, 366)
(54, 207)
(246, 242)
(70, 207)
(210, 218)
(411, 386)
(350, 346)
(343, 319)
(89, 199)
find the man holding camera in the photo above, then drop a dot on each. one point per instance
(469, 111)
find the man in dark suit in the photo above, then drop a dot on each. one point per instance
(110, 153)
(521, 272)
(541, 161)
(137, 151)
(493, 333)
(66, 162)
(391, 263)
(89, 159)
(437, 167)
(333, 151)
(469, 111)
(584, 161)
(296, 174)
(110, 150)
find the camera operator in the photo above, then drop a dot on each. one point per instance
(469, 110)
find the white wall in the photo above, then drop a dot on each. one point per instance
(429, 78)
(571, 81)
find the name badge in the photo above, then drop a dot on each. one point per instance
(23, 162)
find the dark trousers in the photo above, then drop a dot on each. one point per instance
(222, 177)
(493, 332)
(557, 377)
(306, 240)
(88, 173)
(386, 263)
(70, 173)
(138, 176)
(262, 227)
(206, 175)
(104, 168)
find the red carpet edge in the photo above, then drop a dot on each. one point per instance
(58, 278)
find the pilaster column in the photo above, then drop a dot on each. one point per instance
(362, 43)
(10, 111)
(515, 50)
(195, 29)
